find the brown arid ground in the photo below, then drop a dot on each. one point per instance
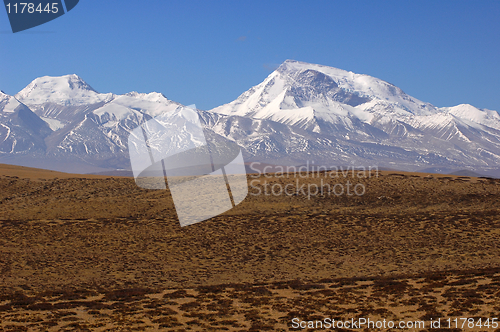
(101, 254)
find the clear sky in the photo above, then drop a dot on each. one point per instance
(209, 52)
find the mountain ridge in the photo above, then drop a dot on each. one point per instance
(299, 112)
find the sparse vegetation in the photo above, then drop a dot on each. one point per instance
(100, 254)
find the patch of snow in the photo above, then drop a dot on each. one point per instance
(53, 123)
(153, 105)
(8, 132)
(12, 104)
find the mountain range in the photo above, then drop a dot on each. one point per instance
(301, 113)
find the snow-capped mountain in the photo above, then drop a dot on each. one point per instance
(69, 90)
(86, 127)
(300, 113)
(306, 95)
(367, 118)
(314, 96)
(21, 131)
(61, 100)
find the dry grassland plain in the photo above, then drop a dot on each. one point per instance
(99, 253)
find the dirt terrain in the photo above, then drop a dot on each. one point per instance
(101, 254)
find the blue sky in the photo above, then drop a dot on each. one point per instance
(209, 52)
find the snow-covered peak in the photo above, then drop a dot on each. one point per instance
(3, 95)
(359, 84)
(152, 96)
(297, 93)
(132, 106)
(294, 65)
(8, 104)
(468, 112)
(68, 90)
